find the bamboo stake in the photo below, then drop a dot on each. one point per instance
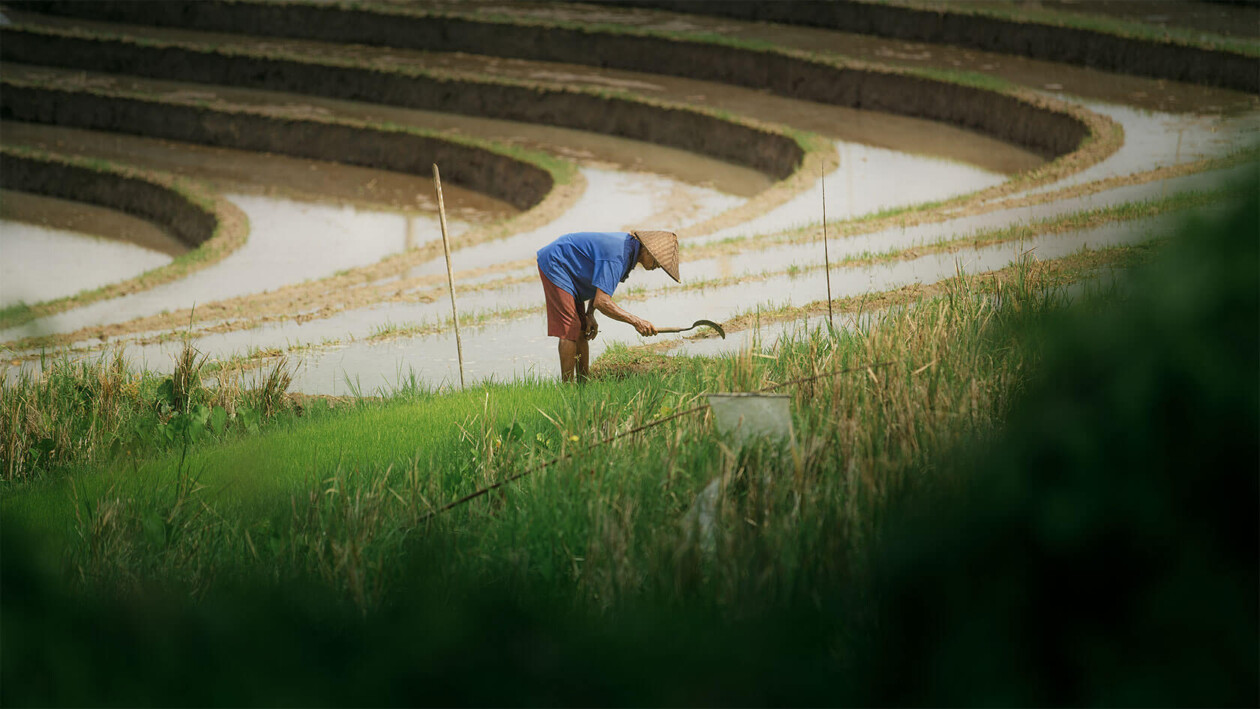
(826, 255)
(450, 274)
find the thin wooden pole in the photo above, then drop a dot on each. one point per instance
(826, 255)
(450, 273)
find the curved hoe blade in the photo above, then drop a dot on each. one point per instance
(711, 324)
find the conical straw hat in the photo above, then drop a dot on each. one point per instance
(663, 245)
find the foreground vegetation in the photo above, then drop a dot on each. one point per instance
(1008, 499)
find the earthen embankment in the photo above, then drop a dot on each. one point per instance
(994, 113)
(187, 221)
(1070, 45)
(767, 151)
(194, 215)
(517, 182)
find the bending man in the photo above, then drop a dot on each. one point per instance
(581, 271)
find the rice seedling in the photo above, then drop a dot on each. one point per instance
(92, 411)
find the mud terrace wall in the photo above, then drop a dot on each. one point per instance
(1005, 117)
(1097, 50)
(514, 181)
(775, 154)
(188, 222)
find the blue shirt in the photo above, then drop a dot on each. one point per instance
(581, 262)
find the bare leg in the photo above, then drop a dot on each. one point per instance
(568, 359)
(583, 360)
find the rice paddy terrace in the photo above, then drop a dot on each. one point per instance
(256, 176)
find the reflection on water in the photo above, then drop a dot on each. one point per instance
(1154, 139)
(38, 263)
(867, 180)
(289, 242)
(90, 219)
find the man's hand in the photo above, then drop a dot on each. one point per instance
(645, 328)
(590, 328)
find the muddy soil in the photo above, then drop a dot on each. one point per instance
(187, 222)
(517, 182)
(88, 219)
(253, 172)
(768, 151)
(581, 146)
(875, 128)
(1231, 19)
(1004, 117)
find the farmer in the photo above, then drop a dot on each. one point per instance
(588, 266)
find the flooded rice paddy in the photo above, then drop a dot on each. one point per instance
(289, 242)
(90, 219)
(39, 263)
(520, 347)
(503, 336)
(868, 180)
(310, 220)
(1154, 139)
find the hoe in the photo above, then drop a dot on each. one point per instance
(695, 324)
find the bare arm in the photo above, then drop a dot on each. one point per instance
(604, 304)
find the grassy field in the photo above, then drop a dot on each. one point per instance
(1002, 495)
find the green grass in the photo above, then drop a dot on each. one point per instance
(903, 509)
(401, 458)
(16, 314)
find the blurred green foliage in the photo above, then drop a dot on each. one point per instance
(1105, 550)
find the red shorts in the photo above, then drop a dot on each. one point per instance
(562, 313)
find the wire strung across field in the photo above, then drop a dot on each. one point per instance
(638, 429)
